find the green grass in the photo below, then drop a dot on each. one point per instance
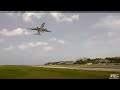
(27, 72)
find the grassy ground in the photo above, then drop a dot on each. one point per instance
(27, 72)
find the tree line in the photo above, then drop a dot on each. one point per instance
(107, 60)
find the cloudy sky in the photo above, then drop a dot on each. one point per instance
(74, 35)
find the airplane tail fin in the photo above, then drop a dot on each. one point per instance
(42, 25)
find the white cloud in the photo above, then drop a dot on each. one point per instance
(13, 14)
(9, 48)
(111, 25)
(31, 45)
(97, 43)
(28, 16)
(57, 16)
(24, 46)
(1, 40)
(94, 42)
(71, 18)
(52, 39)
(61, 41)
(61, 17)
(48, 48)
(93, 38)
(112, 34)
(10, 14)
(14, 32)
(111, 22)
(57, 40)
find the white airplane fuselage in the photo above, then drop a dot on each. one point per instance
(41, 30)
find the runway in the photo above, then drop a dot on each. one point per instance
(82, 68)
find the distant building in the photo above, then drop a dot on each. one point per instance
(88, 63)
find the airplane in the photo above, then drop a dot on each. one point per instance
(40, 30)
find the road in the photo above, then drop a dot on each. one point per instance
(82, 68)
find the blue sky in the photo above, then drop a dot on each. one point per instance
(74, 35)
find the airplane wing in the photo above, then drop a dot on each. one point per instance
(46, 30)
(32, 28)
